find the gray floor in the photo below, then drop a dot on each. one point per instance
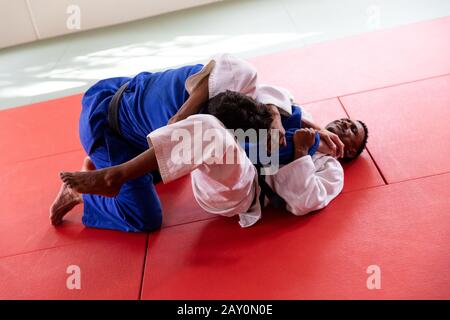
(67, 65)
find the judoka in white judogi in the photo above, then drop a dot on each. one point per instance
(306, 184)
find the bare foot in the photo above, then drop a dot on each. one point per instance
(105, 182)
(67, 198)
(65, 201)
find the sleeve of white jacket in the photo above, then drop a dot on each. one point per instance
(277, 96)
(308, 185)
(227, 72)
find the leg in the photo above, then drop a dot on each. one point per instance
(108, 181)
(223, 177)
(235, 177)
(67, 198)
(136, 207)
(225, 188)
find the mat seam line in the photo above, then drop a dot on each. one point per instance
(88, 238)
(300, 102)
(75, 242)
(367, 149)
(374, 89)
(184, 223)
(398, 182)
(144, 265)
(422, 177)
(377, 166)
(176, 225)
(41, 157)
(41, 249)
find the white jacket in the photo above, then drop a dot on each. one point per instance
(306, 184)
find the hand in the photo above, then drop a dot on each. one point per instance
(332, 145)
(303, 140)
(325, 149)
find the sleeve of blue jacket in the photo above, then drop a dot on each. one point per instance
(286, 154)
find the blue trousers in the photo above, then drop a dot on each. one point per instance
(150, 100)
(137, 206)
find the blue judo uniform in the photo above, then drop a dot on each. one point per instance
(148, 103)
(286, 154)
(290, 124)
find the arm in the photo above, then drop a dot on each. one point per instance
(307, 187)
(309, 124)
(333, 145)
(304, 184)
(193, 104)
(276, 123)
(223, 72)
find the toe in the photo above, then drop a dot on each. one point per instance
(66, 174)
(56, 221)
(66, 177)
(68, 184)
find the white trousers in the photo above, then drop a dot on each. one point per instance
(224, 181)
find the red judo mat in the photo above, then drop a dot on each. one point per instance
(394, 211)
(398, 227)
(415, 140)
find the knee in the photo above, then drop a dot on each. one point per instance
(147, 219)
(152, 222)
(141, 216)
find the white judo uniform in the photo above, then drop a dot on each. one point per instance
(228, 189)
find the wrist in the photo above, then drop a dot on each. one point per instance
(180, 115)
(273, 109)
(312, 150)
(312, 125)
(300, 152)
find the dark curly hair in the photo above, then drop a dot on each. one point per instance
(238, 111)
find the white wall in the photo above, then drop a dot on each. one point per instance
(15, 23)
(23, 21)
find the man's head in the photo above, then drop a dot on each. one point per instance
(353, 133)
(236, 110)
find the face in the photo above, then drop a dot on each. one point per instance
(350, 132)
